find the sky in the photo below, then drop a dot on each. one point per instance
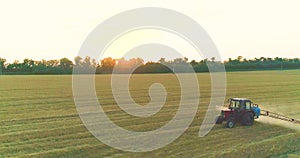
(53, 29)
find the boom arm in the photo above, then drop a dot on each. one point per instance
(278, 116)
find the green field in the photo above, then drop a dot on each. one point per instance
(38, 117)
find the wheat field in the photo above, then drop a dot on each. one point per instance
(38, 117)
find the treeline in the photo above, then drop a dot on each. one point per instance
(108, 65)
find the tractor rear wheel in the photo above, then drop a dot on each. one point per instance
(248, 119)
(230, 123)
(219, 120)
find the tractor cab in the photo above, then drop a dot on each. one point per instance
(239, 110)
(240, 104)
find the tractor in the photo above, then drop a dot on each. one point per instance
(240, 110)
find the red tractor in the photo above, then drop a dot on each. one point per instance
(240, 110)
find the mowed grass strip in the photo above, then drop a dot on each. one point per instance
(38, 117)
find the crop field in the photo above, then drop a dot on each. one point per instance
(38, 117)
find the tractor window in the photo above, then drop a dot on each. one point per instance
(235, 104)
(248, 105)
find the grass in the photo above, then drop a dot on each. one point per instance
(38, 117)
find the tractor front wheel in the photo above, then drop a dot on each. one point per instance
(230, 123)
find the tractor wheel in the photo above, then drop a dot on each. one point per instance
(230, 123)
(248, 119)
(219, 120)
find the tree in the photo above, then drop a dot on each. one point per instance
(239, 58)
(40, 67)
(78, 61)
(135, 62)
(213, 59)
(65, 63)
(193, 63)
(185, 59)
(106, 65)
(262, 58)
(162, 60)
(108, 62)
(204, 60)
(136, 65)
(94, 63)
(27, 65)
(87, 61)
(2, 63)
(28, 62)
